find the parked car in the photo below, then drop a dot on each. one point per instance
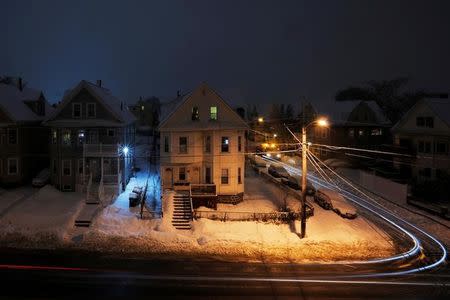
(330, 199)
(295, 183)
(42, 178)
(278, 172)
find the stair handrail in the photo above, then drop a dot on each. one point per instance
(88, 186)
(101, 190)
(190, 201)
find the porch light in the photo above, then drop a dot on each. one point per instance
(125, 150)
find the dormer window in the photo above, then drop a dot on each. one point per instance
(76, 110)
(213, 113)
(91, 110)
(195, 114)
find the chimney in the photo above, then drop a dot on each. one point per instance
(99, 82)
(20, 84)
(178, 93)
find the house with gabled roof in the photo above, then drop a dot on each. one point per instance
(424, 132)
(91, 141)
(23, 140)
(202, 147)
(360, 124)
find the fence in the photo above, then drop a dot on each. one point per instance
(280, 217)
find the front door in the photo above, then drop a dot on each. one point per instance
(93, 167)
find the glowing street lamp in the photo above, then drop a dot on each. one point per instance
(275, 135)
(260, 119)
(322, 122)
(125, 150)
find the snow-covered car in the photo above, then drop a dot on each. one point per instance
(278, 172)
(330, 199)
(295, 183)
(134, 199)
(42, 178)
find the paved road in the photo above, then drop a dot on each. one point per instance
(52, 274)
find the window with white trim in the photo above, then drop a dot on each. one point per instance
(225, 146)
(76, 110)
(239, 176)
(183, 144)
(13, 166)
(166, 144)
(239, 143)
(111, 132)
(224, 176)
(80, 166)
(66, 137)
(208, 144)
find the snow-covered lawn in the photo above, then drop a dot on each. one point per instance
(329, 237)
(42, 219)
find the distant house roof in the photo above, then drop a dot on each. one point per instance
(12, 102)
(341, 111)
(118, 108)
(169, 107)
(439, 106)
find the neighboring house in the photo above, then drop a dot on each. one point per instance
(424, 132)
(23, 141)
(147, 113)
(92, 139)
(359, 124)
(202, 146)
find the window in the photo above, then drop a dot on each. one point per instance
(81, 136)
(182, 173)
(351, 132)
(424, 147)
(67, 187)
(213, 113)
(224, 176)
(12, 136)
(76, 110)
(111, 132)
(91, 110)
(442, 148)
(54, 136)
(183, 144)
(239, 143)
(324, 132)
(425, 122)
(239, 176)
(13, 166)
(360, 132)
(195, 114)
(67, 168)
(208, 174)
(66, 138)
(225, 144)
(208, 144)
(376, 131)
(166, 144)
(420, 121)
(93, 136)
(80, 166)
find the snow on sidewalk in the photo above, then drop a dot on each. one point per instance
(41, 219)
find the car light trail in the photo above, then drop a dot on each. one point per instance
(413, 251)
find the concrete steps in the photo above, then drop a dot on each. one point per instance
(182, 215)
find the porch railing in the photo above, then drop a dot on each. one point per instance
(101, 149)
(110, 179)
(101, 190)
(89, 186)
(199, 190)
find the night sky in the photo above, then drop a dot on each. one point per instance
(250, 51)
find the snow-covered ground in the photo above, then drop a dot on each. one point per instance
(329, 237)
(42, 219)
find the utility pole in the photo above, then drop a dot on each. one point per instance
(304, 170)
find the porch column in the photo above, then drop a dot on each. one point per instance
(101, 161)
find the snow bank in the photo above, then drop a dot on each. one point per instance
(43, 218)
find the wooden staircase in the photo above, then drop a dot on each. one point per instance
(92, 196)
(182, 213)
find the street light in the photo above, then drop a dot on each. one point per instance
(275, 135)
(322, 122)
(260, 119)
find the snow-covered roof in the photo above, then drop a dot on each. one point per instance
(118, 108)
(12, 102)
(167, 108)
(441, 107)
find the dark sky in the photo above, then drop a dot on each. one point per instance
(250, 51)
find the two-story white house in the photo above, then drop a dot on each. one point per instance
(425, 131)
(202, 147)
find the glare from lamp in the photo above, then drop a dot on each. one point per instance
(260, 119)
(125, 150)
(322, 122)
